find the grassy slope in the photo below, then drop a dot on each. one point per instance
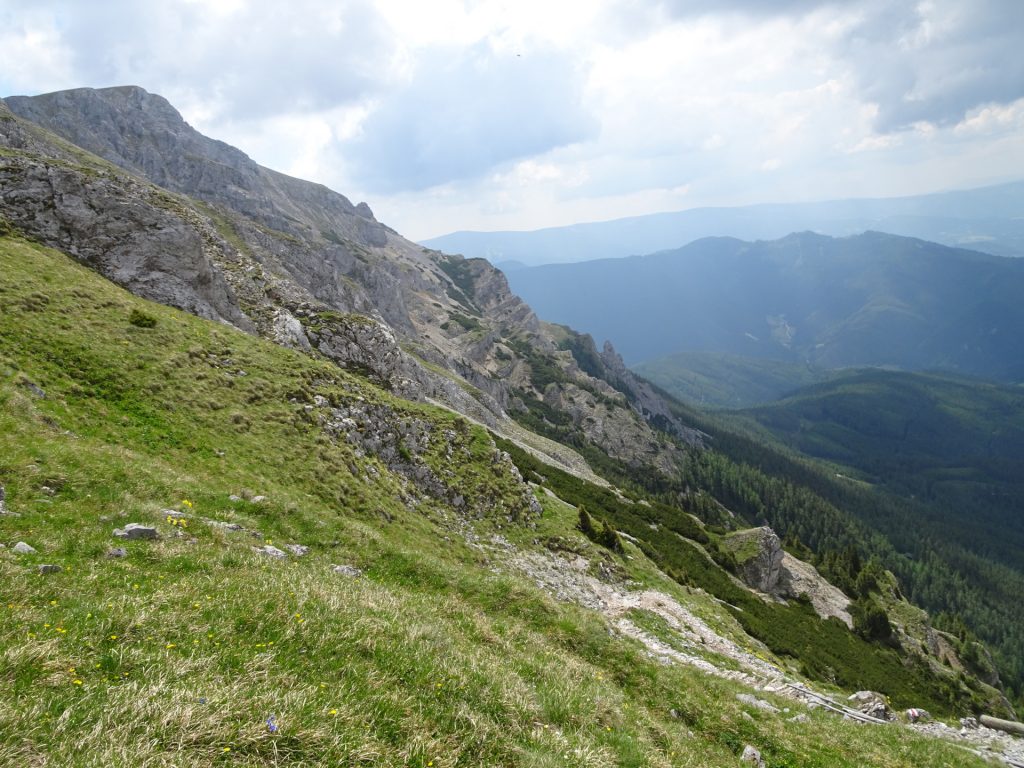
(178, 654)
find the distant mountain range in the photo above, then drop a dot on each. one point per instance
(867, 300)
(988, 219)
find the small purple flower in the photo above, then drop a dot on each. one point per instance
(272, 724)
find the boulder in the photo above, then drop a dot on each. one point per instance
(23, 549)
(759, 554)
(297, 549)
(136, 531)
(872, 704)
(116, 552)
(752, 756)
(49, 568)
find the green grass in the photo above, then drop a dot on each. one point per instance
(177, 654)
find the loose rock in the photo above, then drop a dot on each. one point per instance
(224, 525)
(297, 549)
(347, 570)
(133, 531)
(48, 568)
(23, 549)
(872, 704)
(270, 551)
(752, 756)
(753, 701)
(117, 552)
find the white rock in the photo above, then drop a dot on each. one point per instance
(23, 549)
(347, 570)
(753, 701)
(270, 551)
(752, 756)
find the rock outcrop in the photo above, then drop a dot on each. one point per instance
(766, 567)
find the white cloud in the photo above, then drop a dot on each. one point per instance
(485, 114)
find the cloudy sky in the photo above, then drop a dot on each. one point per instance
(519, 114)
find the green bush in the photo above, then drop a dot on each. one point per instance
(141, 319)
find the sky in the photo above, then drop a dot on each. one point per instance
(446, 115)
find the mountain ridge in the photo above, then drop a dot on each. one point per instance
(287, 249)
(989, 218)
(868, 299)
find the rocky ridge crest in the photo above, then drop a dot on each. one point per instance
(194, 223)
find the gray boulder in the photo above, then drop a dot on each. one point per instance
(759, 554)
(753, 701)
(752, 756)
(49, 568)
(297, 549)
(136, 531)
(872, 704)
(23, 549)
(915, 715)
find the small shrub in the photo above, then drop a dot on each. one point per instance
(141, 319)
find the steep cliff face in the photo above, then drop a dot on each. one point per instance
(192, 222)
(143, 133)
(131, 232)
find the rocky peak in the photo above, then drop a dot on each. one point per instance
(143, 133)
